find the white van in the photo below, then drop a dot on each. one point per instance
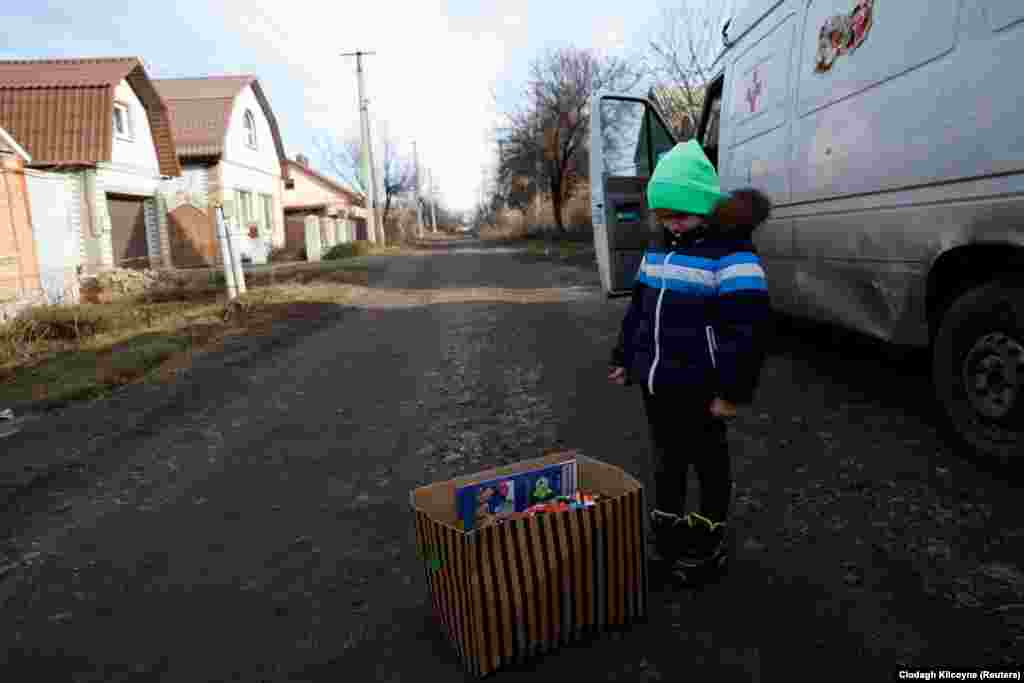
(889, 135)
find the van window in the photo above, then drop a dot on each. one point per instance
(852, 45)
(714, 116)
(634, 137)
(622, 121)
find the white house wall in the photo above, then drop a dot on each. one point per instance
(253, 170)
(123, 180)
(140, 152)
(236, 151)
(255, 180)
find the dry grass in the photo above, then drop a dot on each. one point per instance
(81, 351)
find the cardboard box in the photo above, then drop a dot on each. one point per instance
(507, 591)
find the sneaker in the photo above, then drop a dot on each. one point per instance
(707, 540)
(666, 529)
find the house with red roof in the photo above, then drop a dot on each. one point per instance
(99, 129)
(340, 211)
(230, 149)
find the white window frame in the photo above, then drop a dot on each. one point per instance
(266, 208)
(249, 125)
(245, 208)
(126, 115)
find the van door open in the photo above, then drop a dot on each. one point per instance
(627, 137)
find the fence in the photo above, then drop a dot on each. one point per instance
(56, 286)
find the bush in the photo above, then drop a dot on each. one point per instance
(350, 250)
(21, 336)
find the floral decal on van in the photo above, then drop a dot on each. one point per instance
(754, 90)
(843, 34)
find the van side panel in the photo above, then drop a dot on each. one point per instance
(905, 148)
(756, 131)
(875, 121)
(1003, 14)
(758, 114)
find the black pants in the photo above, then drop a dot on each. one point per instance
(683, 432)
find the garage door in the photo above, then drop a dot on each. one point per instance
(295, 232)
(128, 231)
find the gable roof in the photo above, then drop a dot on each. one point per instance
(62, 109)
(9, 145)
(341, 188)
(201, 113)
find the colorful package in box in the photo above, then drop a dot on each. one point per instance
(484, 503)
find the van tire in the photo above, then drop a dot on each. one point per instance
(980, 331)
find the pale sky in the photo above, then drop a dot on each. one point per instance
(430, 81)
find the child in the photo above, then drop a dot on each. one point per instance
(692, 338)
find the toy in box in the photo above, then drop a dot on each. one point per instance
(485, 503)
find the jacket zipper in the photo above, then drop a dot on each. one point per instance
(712, 345)
(657, 325)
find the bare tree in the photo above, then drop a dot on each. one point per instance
(343, 159)
(395, 172)
(546, 135)
(398, 177)
(679, 61)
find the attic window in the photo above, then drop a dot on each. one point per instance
(250, 129)
(122, 121)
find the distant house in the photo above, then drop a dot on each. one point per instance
(19, 267)
(339, 209)
(230, 149)
(100, 125)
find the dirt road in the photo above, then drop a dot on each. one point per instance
(249, 521)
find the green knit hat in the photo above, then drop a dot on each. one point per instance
(684, 180)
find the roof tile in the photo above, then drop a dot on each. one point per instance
(61, 110)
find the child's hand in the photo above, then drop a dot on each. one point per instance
(617, 376)
(723, 409)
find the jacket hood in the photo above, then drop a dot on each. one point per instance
(685, 180)
(742, 213)
(734, 218)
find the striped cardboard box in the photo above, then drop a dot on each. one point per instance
(505, 592)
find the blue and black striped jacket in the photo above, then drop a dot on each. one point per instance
(697, 318)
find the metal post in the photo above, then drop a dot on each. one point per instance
(236, 259)
(232, 278)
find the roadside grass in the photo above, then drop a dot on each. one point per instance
(69, 353)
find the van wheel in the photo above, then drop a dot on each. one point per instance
(978, 369)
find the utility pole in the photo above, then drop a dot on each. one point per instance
(433, 212)
(369, 169)
(419, 199)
